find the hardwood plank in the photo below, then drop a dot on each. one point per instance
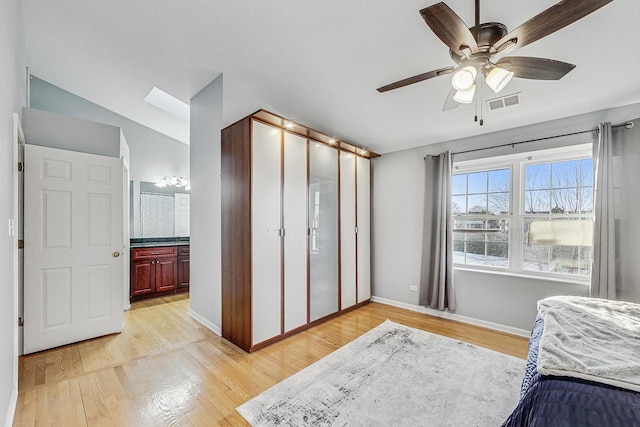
(167, 369)
(26, 411)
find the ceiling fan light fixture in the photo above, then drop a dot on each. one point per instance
(498, 78)
(465, 96)
(464, 78)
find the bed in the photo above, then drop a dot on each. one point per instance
(583, 367)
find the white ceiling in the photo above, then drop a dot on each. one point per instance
(321, 61)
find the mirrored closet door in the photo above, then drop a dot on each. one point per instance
(323, 231)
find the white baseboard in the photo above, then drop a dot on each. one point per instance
(11, 409)
(207, 324)
(453, 316)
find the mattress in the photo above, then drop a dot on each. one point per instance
(549, 401)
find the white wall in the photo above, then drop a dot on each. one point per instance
(13, 89)
(69, 133)
(239, 101)
(205, 276)
(152, 154)
(398, 193)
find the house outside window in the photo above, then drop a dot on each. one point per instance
(530, 213)
(480, 205)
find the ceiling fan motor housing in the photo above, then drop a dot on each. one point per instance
(486, 35)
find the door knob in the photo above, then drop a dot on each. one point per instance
(115, 254)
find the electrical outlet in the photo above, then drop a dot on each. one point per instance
(413, 288)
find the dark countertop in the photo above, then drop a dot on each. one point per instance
(153, 242)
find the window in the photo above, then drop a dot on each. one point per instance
(558, 191)
(531, 213)
(480, 204)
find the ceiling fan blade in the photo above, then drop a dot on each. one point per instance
(551, 20)
(449, 103)
(415, 79)
(526, 67)
(448, 26)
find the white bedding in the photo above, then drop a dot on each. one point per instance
(590, 338)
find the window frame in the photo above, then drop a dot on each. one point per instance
(480, 168)
(517, 163)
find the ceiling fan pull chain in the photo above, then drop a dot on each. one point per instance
(475, 104)
(480, 101)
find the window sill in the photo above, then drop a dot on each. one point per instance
(583, 282)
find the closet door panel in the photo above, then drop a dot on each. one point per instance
(265, 238)
(295, 226)
(347, 229)
(323, 231)
(364, 229)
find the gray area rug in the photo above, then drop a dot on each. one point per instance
(395, 376)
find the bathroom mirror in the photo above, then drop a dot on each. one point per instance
(158, 212)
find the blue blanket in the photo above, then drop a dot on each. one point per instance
(548, 401)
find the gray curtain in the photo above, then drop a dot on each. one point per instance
(616, 238)
(436, 279)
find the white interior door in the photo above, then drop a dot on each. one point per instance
(265, 229)
(182, 214)
(73, 232)
(295, 231)
(348, 229)
(364, 229)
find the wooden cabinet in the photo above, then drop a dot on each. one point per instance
(355, 227)
(143, 277)
(264, 234)
(156, 271)
(280, 229)
(183, 269)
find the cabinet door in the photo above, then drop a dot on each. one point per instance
(323, 228)
(347, 229)
(183, 273)
(143, 277)
(364, 229)
(294, 201)
(265, 237)
(166, 274)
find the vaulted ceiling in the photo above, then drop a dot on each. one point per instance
(320, 62)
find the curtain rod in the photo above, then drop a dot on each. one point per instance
(627, 125)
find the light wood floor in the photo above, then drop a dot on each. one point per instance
(167, 369)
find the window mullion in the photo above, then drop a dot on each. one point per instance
(515, 219)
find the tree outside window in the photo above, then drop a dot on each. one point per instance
(493, 209)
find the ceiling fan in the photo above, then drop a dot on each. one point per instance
(474, 49)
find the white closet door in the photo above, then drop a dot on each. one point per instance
(348, 229)
(295, 228)
(364, 229)
(265, 239)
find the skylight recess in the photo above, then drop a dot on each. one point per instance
(170, 104)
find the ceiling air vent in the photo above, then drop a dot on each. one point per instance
(504, 101)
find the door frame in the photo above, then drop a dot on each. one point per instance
(18, 284)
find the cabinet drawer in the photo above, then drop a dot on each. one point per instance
(183, 250)
(158, 252)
